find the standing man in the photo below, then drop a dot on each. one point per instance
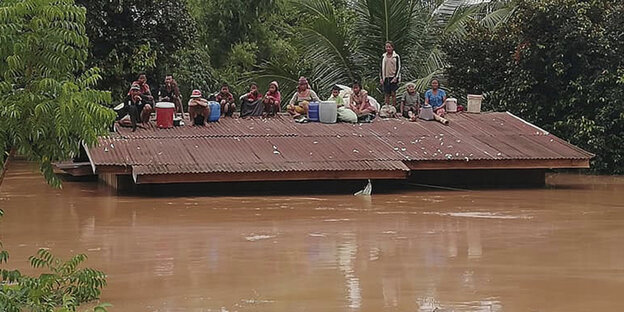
(170, 92)
(390, 74)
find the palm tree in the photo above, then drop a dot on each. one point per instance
(339, 53)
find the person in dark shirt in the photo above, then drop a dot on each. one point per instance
(170, 92)
(135, 107)
(226, 99)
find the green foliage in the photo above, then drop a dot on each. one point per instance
(342, 41)
(557, 64)
(243, 38)
(47, 109)
(132, 36)
(194, 70)
(63, 288)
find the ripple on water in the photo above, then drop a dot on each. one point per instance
(478, 214)
(256, 237)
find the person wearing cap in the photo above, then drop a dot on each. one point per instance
(226, 99)
(410, 102)
(171, 93)
(300, 101)
(199, 111)
(251, 102)
(272, 99)
(134, 109)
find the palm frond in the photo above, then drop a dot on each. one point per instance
(447, 9)
(455, 25)
(499, 15)
(401, 21)
(325, 44)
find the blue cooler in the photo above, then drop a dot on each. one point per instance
(313, 111)
(215, 111)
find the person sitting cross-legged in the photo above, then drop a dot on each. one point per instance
(135, 108)
(360, 104)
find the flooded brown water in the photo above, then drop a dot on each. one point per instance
(555, 249)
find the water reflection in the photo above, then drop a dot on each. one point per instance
(524, 250)
(347, 252)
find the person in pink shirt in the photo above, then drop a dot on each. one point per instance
(360, 104)
(272, 99)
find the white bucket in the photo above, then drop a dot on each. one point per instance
(474, 103)
(451, 105)
(426, 113)
(328, 111)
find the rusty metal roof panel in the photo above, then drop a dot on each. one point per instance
(279, 144)
(274, 167)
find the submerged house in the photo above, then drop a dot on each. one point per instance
(486, 148)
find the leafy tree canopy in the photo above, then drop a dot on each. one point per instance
(48, 105)
(557, 64)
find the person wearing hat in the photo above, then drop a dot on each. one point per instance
(226, 99)
(134, 109)
(199, 111)
(298, 104)
(272, 99)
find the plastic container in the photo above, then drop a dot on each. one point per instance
(451, 105)
(328, 112)
(474, 103)
(313, 111)
(164, 114)
(426, 113)
(215, 111)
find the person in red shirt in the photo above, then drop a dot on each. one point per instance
(226, 99)
(146, 93)
(272, 99)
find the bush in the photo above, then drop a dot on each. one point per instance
(62, 289)
(557, 64)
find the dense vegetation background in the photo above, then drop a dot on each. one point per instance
(556, 63)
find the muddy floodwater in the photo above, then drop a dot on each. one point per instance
(560, 248)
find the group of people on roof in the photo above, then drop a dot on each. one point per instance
(138, 105)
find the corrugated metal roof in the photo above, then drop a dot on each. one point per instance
(270, 166)
(279, 144)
